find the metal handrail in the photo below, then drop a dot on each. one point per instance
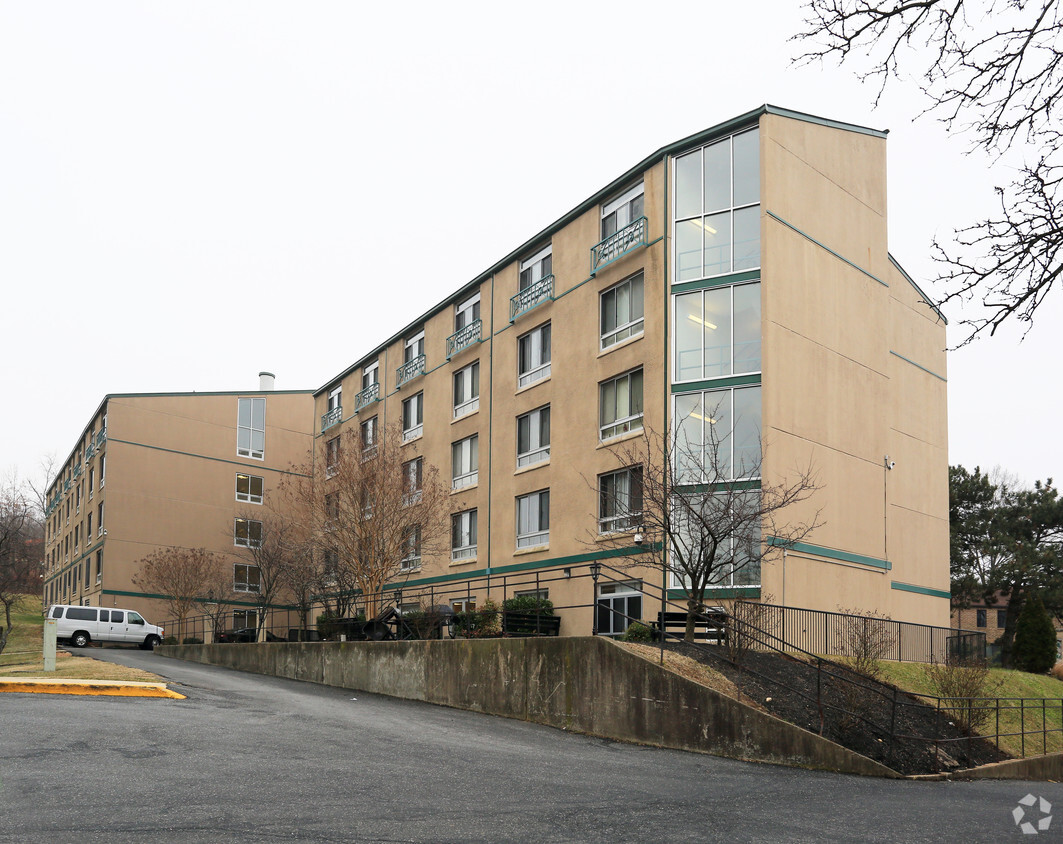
(619, 243)
(531, 297)
(409, 370)
(463, 338)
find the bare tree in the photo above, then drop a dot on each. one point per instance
(702, 510)
(21, 552)
(990, 69)
(372, 510)
(217, 595)
(183, 576)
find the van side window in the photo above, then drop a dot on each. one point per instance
(57, 612)
(116, 616)
(105, 615)
(134, 619)
(81, 613)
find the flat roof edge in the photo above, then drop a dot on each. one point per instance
(918, 289)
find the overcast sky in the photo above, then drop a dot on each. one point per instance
(180, 181)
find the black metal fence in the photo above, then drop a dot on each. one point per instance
(842, 634)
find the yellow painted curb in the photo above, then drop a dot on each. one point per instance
(119, 688)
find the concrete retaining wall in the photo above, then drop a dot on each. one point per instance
(590, 685)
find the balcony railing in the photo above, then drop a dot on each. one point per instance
(366, 397)
(532, 296)
(331, 418)
(409, 370)
(618, 244)
(464, 338)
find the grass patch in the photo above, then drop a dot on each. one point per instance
(24, 654)
(1004, 683)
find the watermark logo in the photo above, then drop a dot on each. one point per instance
(1030, 820)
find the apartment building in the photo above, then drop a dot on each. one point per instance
(152, 471)
(744, 269)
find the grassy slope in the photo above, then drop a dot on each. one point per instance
(23, 656)
(912, 677)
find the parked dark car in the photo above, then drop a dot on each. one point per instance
(240, 634)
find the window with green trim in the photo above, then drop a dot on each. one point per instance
(717, 332)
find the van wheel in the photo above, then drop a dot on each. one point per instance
(151, 643)
(80, 640)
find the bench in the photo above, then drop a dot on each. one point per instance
(710, 626)
(530, 624)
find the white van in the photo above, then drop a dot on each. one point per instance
(81, 625)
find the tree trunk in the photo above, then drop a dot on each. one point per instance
(693, 609)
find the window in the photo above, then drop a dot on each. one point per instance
(411, 558)
(463, 605)
(92, 482)
(466, 313)
(77, 499)
(412, 417)
(533, 519)
(738, 553)
(619, 605)
(103, 469)
(249, 487)
(622, 211)
(981, 618)
(533, 437)
(88, 528)
(414, 347)
(245, 618)
(332, 508)
(536, 268)
(332, 459)
(369, 432)
(1002, 618)
(718, 437)
(412, 480)
(246, 578)
(248, 533)
(463, 535)
(465, 462)
(717, 210)
(620, 500)
(371, 375)
(717, 332)
(467, 389)
(335, 398)
(533, 356)
(622, 314)
(99, 566)
(250, 428)
(99, 520)
(620, 405)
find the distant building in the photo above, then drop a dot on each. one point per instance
(151, 471)
(990, 617)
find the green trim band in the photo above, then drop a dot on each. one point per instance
(830, 553)
(84, 554)
(719, 592)
(739, 486)
(119, 593)
(920, 590)
(811, 239)
(205, 457)
(919, 366)
(717, 384)
(718, 281)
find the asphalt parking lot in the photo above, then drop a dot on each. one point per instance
(250, 758)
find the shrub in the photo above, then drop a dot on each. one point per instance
(326, 625)
(528, 604)
(1035, 639)
(863, 640)
(637, 632)
(192, 640)
(481, 623)
(963, 686)
(170, 640)
(1057, 671)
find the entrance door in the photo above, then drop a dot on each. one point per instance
(619, 604)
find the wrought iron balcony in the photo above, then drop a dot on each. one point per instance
(618, 244)
(331, 418)
(464, 338)
(409, 370)
(366, 397)
(532, 296)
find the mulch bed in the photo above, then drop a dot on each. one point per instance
(858, 717)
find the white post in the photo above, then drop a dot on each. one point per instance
(49, 644)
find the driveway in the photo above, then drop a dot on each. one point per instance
(251, 758)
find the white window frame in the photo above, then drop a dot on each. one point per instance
(250, 496)
(465, 462)
(368, 433)
(467, 312)
(632, 328)
(411, 560)
(413, 417)
(371, 375)
(531, 532)
(622, 424)
(242, 581)
(537, 267)
(463, 526)
(622, 517)
(412, 481)
(538, 451)
(540, 368)
(625, 200)
(247, 541)
(333, 448)
(464, 376)
(413, 348)
(335, 398)
(250, 450)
